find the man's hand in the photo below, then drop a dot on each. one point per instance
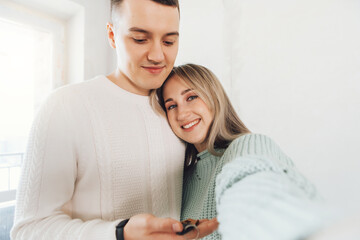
(149, 227)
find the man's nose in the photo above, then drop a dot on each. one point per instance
(156, 53)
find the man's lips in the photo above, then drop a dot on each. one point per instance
(154, 69)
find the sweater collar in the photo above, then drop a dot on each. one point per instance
(202, 155)
(130, 96)
(206, 154)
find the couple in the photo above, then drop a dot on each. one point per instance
(102, 163)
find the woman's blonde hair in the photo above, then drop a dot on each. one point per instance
(226, 125)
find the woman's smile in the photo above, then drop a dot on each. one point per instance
(190, 126)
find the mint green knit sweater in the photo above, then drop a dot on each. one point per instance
(254, 190)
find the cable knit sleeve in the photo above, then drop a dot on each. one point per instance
(260, 194)
(49, 174)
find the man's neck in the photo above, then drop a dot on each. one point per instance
(121, 80)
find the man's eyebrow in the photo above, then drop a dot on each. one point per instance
(182, 93)
(176, 33)
(136, 29)
(140, 30)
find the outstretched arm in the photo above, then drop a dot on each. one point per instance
(263, 203)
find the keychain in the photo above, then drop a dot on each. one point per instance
(189, 224)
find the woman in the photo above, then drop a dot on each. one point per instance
(243, 179)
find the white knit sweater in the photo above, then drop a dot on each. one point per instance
(97, 154)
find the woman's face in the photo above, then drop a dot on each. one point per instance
(188, 115)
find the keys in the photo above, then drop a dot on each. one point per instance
(188, 224)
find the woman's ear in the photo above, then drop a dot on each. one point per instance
(110, 32)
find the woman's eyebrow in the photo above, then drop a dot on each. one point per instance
(182, 93)
(168, 100)
(185, 91)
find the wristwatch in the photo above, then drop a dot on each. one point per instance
(120, 229)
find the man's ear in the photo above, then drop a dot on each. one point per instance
(110, 32)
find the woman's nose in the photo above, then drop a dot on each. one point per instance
(183, 113)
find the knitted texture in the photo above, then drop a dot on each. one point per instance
(254, 190)
(96, 155)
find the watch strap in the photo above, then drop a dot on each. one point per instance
(120, 229)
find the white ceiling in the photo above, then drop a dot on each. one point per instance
(62, 9)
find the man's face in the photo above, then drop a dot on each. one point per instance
(145, 35)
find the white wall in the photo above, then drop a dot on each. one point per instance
(201, 38)
(98, 55)
(296, 77)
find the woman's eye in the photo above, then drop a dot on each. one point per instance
(137, 40)
(171, 107)
(192, 98)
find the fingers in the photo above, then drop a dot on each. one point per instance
(203, 220)
(147, 226)
(205, 227)
(165, 225)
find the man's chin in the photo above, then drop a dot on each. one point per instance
(157, 83)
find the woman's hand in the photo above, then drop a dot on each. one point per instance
(205, 228)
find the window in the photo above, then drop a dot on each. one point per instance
(32, 60)
(25, 78)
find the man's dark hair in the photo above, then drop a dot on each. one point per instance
(174, 3)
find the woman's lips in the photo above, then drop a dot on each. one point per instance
(190, 126)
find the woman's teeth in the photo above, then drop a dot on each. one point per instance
(191, 124)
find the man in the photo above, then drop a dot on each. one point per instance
(98, 154)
